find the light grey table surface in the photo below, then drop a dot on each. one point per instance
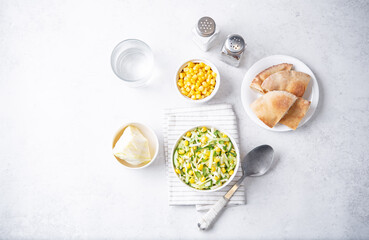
(60, 105)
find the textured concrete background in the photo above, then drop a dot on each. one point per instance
(60, 105)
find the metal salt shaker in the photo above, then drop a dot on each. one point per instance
(205, 32)
(233, 49)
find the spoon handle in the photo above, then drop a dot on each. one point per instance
(208, 218)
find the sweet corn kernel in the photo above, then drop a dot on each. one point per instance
(197, 77)
(225, 135)
(216, 159)
(192, 180)
(186, 143)
(204, 129)
(203, 179)
(204, 139)
(195, 147)
(178, 171)
(217, 149)
(216, 178)
(206, 157)
(180, 160)
(190, 172)
(188, 165)
(200, 167)
(207, 153)
(213, 169)
(223, 170)
(231, 172)
(181, 151)
(188, 134)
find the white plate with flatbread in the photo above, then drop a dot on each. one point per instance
(249, 95)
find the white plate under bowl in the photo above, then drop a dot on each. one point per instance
(249, 95)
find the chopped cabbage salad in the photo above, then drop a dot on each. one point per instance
(205, 158)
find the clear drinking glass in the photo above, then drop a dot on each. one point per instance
(132, 61)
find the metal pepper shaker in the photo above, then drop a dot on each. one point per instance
(233, 49)
(205, 32)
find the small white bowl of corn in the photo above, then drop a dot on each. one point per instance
(197, 80)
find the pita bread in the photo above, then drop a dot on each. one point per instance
(290, 81)
(272, 106)
(258, 80)
(296, 113)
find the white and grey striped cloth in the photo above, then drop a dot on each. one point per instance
(179, 120)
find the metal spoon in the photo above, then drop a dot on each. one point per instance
(256, 163)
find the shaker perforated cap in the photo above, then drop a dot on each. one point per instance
(235, 43)
(205, 27)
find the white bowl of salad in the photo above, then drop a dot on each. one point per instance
(205, 158)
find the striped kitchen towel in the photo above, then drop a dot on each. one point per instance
(179, 120)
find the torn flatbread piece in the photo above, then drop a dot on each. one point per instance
(290, 81)
(296, 113)
(258, 80)
(271, 107)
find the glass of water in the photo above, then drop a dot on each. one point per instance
(132, 61)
